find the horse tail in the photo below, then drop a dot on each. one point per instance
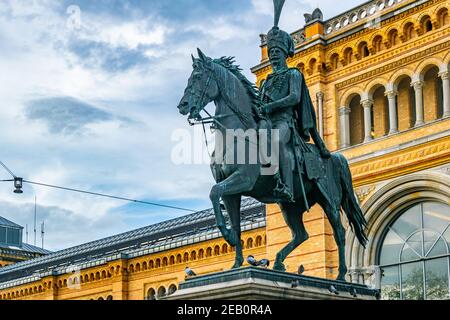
(349, 203)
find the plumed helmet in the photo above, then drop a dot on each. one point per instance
(277, 38)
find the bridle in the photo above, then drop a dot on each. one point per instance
(243, 117)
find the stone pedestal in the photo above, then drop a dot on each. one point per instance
(265, 284)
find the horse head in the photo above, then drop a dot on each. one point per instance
(202, 88)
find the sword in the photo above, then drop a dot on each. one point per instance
(297, 158)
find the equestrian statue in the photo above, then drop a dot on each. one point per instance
(307, 174)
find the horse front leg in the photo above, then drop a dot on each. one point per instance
(234, 185)
(233, 205)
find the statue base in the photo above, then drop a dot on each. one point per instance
(264, 284)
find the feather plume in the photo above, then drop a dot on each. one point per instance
(278, 5)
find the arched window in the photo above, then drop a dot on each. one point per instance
(193, 255)
(414, 255)
(393, 38)
(186, 257)
(201, 254)
(172, 289)
(426, 24)
(161, 292)
(258, 241)
(224, 248)
(334, 61)
(151, 294)
(158, 263)
(216, 250)
(151, 264)
(138, 267)
(363, 50)
(443, 17)
(172, 260)
(165, 262)
(208, 252)
(109, 297)
(409, 31)
(249, 243)
(348, 56)
(179, 259)
(377, 44)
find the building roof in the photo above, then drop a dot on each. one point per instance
(26, 248)
(7, 223)
(193, 228)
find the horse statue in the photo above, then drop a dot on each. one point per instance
(236, 99)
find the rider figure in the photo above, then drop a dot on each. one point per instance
(286, 98)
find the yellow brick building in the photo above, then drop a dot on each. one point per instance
(379, 77)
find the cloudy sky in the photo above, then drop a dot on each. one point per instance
(91, 103)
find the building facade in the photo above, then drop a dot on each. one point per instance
(379, 77)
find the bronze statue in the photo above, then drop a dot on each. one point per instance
(286, 97)
(309, 173)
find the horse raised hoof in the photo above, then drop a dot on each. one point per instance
(279, 266)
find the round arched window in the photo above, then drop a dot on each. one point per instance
(414, 255)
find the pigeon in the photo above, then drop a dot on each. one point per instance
(189, 272)
(301, 269)
(353, 292)
(252, 261)
(264, 263)
(333, 289)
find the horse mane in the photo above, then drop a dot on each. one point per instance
(251, 89)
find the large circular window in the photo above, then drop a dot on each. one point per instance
(414, 256)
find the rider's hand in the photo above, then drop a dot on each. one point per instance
(268, 109)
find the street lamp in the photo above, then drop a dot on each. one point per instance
(18, 184)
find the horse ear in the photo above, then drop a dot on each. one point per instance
(201, 55)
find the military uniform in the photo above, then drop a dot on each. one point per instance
(288, 105)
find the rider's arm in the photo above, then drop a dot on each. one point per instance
(294, 96)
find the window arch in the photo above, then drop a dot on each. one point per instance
(172, 260)
(201, 254)
(216, 250)
(151, 294)
(179, 259)
(172, 289)
(165, 262)
(193, 255)
(249, 243)
(414, 255)
(186, 257)
(224, 248)
(161, 292)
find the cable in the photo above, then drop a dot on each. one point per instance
(6, 168)
(108, 196)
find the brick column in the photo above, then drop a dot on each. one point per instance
(446, 92)
(344, 116)
(393, 118)
(418, 89)
(367, 104)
